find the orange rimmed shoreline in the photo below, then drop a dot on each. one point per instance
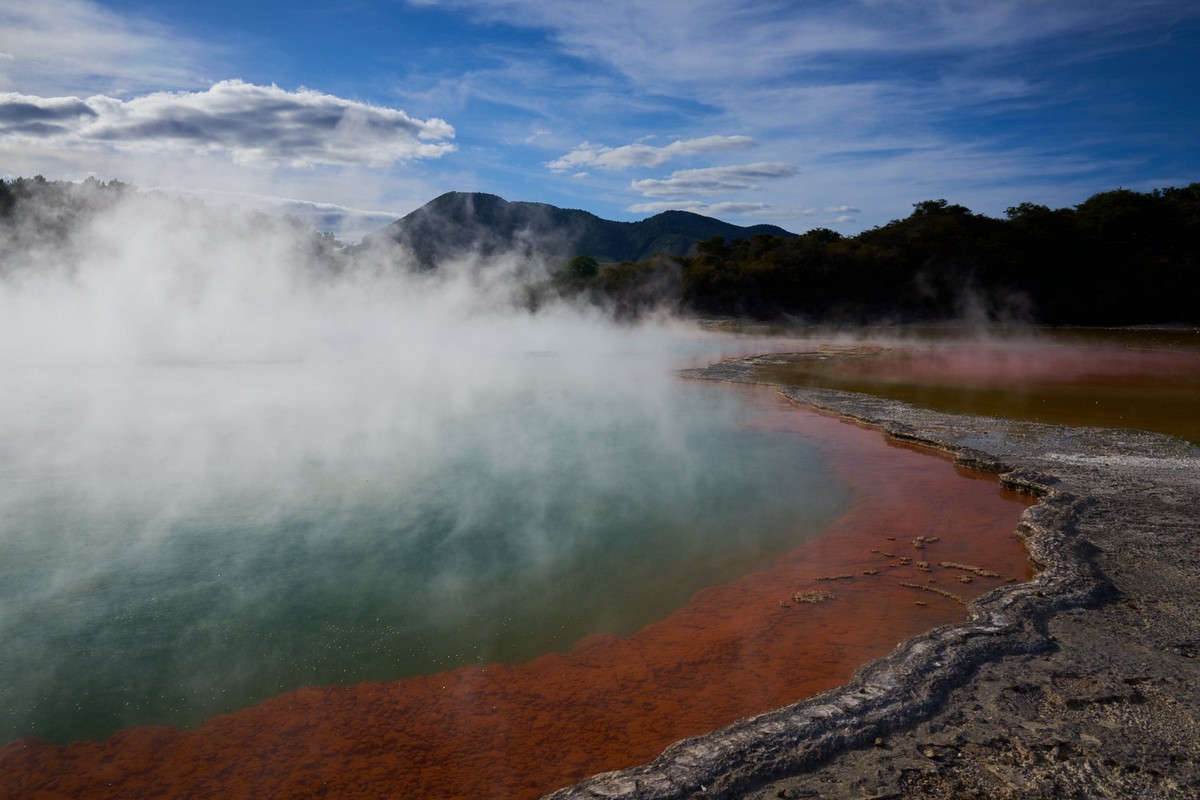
(522, 731)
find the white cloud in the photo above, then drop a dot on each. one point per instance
(35, 117)
(868, 80)
(249, 124)
(69, 46)
(843, 210)
(732, 209)
(713, 180)
(698, 207)
(719, 43)
(644, 155)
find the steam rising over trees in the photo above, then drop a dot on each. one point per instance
(1119, 258)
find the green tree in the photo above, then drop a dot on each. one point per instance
(580, 268)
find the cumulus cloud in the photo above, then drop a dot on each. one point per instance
(843, 210)
(38, 117)
(644, 155)
(249, 124)
(713, 180)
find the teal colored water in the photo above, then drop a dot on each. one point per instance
(183, 539)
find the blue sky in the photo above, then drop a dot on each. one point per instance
(804, 114)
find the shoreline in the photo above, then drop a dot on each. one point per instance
(524, 730)
(1080, 682)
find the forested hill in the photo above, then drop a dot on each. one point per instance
(1118, 258)
(472, 224)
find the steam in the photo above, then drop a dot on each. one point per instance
(234, 461)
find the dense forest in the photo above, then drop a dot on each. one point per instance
(1119, 258)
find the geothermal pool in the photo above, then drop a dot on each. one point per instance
(520, 731)
(186, 538)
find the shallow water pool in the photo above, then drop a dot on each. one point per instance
(184, 539)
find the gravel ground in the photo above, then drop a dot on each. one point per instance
(1082, 683)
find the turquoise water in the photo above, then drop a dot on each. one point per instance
(183, 539)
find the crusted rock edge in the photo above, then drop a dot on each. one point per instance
(909, 684)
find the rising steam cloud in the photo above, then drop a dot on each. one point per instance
(236, 461)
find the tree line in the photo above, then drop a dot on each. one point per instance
(1119, 258)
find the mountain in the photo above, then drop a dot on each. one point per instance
(471, 223)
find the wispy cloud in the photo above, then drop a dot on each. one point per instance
(713, 180)
(878, 103)
(708, 41)
(891, 80)
(71, 46)
(644, 155)
(722, 209)
(247, 123)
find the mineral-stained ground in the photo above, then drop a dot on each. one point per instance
(1084, 682)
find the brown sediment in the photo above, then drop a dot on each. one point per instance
(522, 731)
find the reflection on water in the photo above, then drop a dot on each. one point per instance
(1145, 379)
(182, 540)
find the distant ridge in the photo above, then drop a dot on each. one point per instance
(458, 224)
